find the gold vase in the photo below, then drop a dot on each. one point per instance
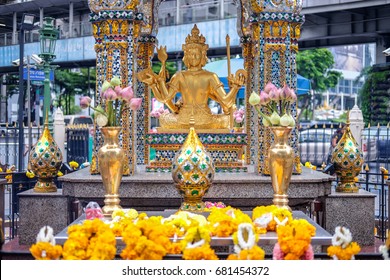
(281, 162)
(111, 159)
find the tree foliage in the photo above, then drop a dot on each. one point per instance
(374, 96)
(170, 67)
(69, 83)
(316, 65)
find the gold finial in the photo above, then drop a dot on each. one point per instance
(47, 118)
(195, 38)
(347, 123)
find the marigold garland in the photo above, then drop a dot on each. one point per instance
(245, 240)
(46, 251)
(294, 239)
(196, 244)
(45, 247)
(223, 222)
(267, 218)
(92, 240)
(342, 246)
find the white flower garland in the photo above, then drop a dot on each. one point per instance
(46, 235)
(242, 243)
(342, 237)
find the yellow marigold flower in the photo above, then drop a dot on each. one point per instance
(385, 172)
(30, 174)
(203, 252)
(59, 174)
(74, 164)
(9, 179)
(46, 251)
(337, 252)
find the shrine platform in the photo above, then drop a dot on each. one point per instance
(147, 191)
(156, 191)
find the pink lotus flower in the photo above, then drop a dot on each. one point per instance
(118, 90)
(110, 94)
(270, 87)
(85, 101)
(264, 98)
(276, 102)
(127, 93)
(135, 103)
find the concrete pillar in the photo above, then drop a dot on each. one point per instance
(356, 124)
(59, 130)
(382, 44)
(41, 15)
(14, 28)
(3, 99)
(71, 20)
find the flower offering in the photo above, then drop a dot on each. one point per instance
(116, 100)
(277, 102)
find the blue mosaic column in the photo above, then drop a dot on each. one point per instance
(115, 27)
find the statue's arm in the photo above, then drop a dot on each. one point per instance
(168, 93)
(226, 100)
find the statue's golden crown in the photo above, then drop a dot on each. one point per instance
(195, 38)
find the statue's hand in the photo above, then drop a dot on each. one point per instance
(147, 76)
(240, 77)
(162, 54)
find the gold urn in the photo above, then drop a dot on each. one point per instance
(45, 160)
(348, 160)
(193, 172)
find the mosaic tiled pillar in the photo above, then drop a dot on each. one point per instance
(115, 27)
(277, 27)
(145, 51)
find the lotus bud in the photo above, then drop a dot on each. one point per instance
(264, 98)
(106, 85)
(135, 103)
(269, 87)
(266, 122)
(285, 120)
(127, 93)
(115, 81)
(275, 118)
(118, 90)
(292, 121)
(285, 93)
(110, 94)
(85, 101)
(254, 99)
(274, 94)
(293, 95)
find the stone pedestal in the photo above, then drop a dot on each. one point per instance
(156, 192)
(353, 210)
(40, 209)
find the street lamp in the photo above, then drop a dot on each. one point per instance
(26, 24)
(48, 37)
